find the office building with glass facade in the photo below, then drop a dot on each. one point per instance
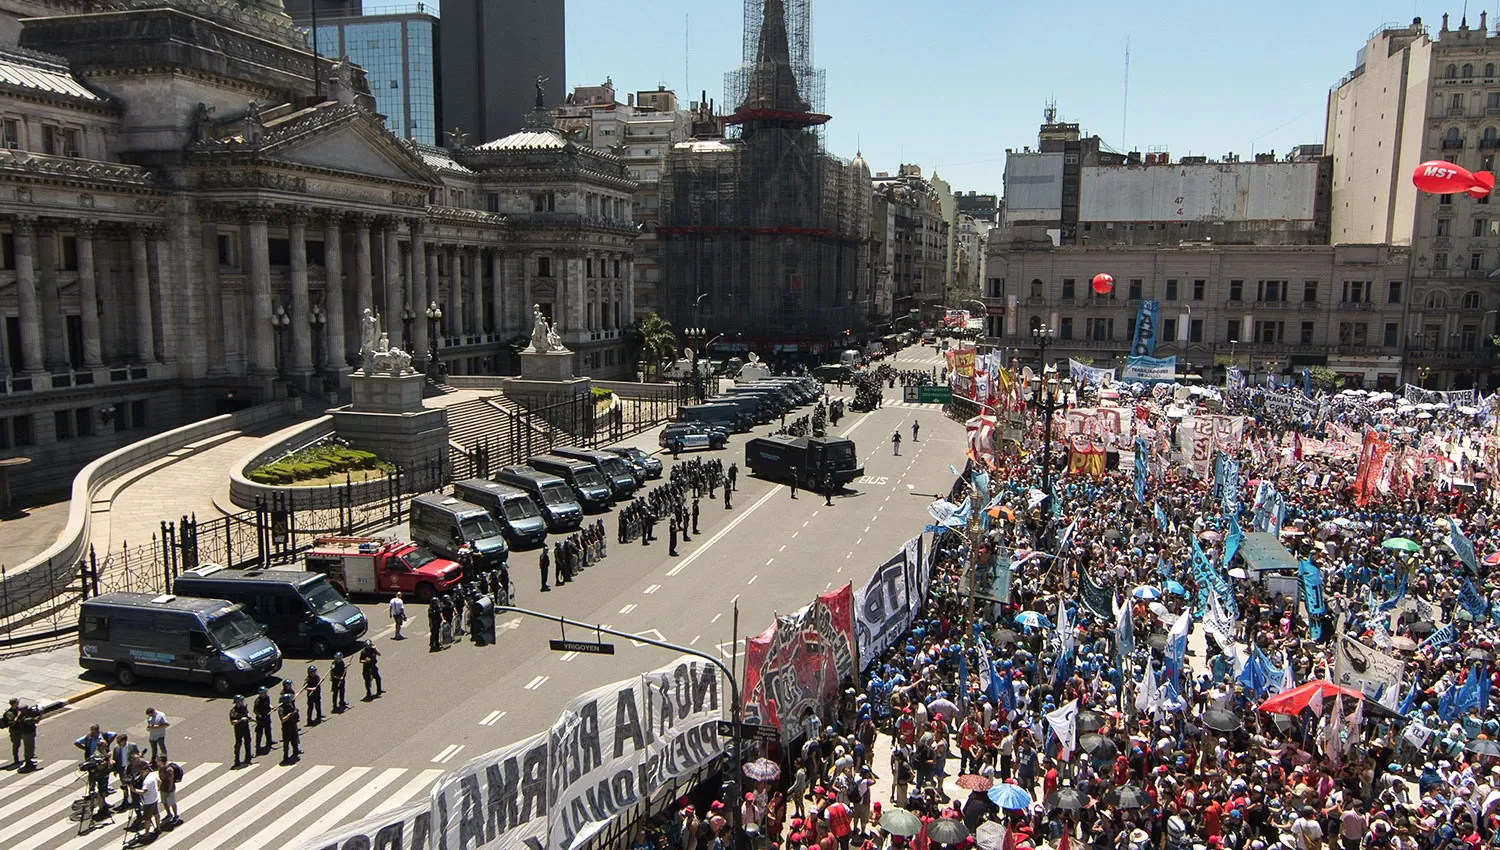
(399, 52)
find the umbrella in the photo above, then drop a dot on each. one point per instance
(1157, 641)
(1293, 702)
(1128, 797)
(1220, 720)
(1401, 544)
(1477, 654)
(975, 782)
(1421, 627)
(1090, 721)
(943, 706)
(1492, 559)
(1145, 591)
(1484, 747)
(1424, 415)
(1159, 610)
(1034, 619)
(1065, 798)
(763, 770)
(1239, 573)
(1211, 536)
(1005, 636)
(900, 822)
(1403, 642)
(947, 831)
(1468, 411)
(1008, 796)
(990, 836)
(1098, 746)
(1174, 587)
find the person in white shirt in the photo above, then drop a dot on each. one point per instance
(398, 614)
(149, 789)
(156, 732)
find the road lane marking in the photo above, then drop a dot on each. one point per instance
(867, 528)
(815, 513)
(734, 599)
(804, 524)
(681, 565)
(753, 578)
(567, 656)
(716, 618)
(510, 625)
(770, 561)
(329, 789)
(860, 540)
(882, 507)
(535, 683)
(794, 534)
(351, 801)
(272, 801)
(652, 589)
(694, 641)
(492, 718)
(782, 549)
(202, 818)
(447, 754)
(628, 608)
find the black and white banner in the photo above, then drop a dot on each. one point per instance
(886, 606)
(1374, 673)
(407, 826)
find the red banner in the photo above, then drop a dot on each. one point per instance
(800, 663)
(1085, 457)
(1371, 460)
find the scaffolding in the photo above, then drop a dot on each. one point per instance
(762, 232)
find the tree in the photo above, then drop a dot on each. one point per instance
(1323, 377)
(654, 337)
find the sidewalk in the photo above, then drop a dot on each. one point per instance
(50, 679)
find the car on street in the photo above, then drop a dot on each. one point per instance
(647, 465)
(685, 436)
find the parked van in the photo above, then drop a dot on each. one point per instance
(299, 610)
(519, 518)
(749, 409)
(850, 358)
(593, 491)
(130, 635)
(446, 524)
(722, 414)
(615, 469)
(558, 502)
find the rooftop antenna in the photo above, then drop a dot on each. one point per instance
(1049, 111)
(1125, 109)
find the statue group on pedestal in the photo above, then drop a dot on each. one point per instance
(375, 351)
(544, 337)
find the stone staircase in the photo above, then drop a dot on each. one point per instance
(490, 419)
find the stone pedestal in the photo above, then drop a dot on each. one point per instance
(546, 365)
(387, 417)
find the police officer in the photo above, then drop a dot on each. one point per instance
(239, 721)
(672, 537)
(734, 474)
(22, 720)
(369, 662)
(560, 559)
(313, 687)
(828, 489)
(338, 677)
(545, 566)
(264, 741)
(795, 473)
(291, 740)
(434, 625)
(695, 511)
(458, 611)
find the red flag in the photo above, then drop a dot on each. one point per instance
(1296, 446)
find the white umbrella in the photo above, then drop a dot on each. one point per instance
(1424, 415)
(1442, 405)
(1239, 572)
(1159, 610)
(1176, 412)
(1405, 408)
(1426, 405)
(1468, 411)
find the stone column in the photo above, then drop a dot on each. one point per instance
(497, 281)
(333, 292)
(88, 294)
(419, 297)
(455, 313)
(301, 330)
(627, 270)
(364, 297)
(54, 326)
(394, 300)
(476, 289)
(28, 306)
(213, 297)
(434, 284)
(140, 273)
(262, 349)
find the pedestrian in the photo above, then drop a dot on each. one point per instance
(672, 538)
(338, 678)
(168, 775)
(239, 723)
(727, 505)
(794, 482)
(313, 687)
(120, 756)
(369, 663)
(156, 732)
(545, 566)
(828, 489)
(896, 443)
(915, 427)
(695, 511)
(434, 624)
(21, 721)
(147, 786)
(398, 614)
(264, 740)
(734, 474)
(291, 741)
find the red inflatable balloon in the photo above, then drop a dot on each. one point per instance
(1103, 283)
(1445, 178)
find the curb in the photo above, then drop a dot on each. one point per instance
(59, 704)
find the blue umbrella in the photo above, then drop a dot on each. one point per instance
(1175, 587)
(1033, 619)
(1145, 591)
(1008, 796)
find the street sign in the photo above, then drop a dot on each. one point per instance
(584, 646)
(751, 731)
(934, 395)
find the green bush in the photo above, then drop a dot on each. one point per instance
(601, 394)
(318, 461)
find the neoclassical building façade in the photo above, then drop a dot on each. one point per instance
(195, 211)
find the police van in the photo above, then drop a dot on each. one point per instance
(299, 610)
(134, 635)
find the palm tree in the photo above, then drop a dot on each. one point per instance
(656, 340)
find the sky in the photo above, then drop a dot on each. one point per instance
(950, 84)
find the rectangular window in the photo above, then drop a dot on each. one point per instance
(1309, 292)
(1444, 227)
(1393, 293)
(12, 133)
(1468, 338)
(20, 428)
(1130, 328)
(1392, 332)
(62, 423)
(1168, 330)
(1171, 293)
(1475, 260)
(1195, 330)
(1445, 200)
(1236, 290)
(617, 268)
(1356, 291)
(543, 266)
(72, 142)
(1065, 328)
(588, 266)
(51, 139)
(83, 421)
(1271, 290)
(138, 414)
(1068, 289)
(1135, 289)
(492, 202)
(1232, 330)
(1479, 226)
(1353, 333)
(1440, 260)
(1307, 333)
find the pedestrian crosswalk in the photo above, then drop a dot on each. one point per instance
(258, 807)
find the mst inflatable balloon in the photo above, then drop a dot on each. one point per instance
(1445, 178)
(1103, 283)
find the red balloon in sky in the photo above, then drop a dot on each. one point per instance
(1444, 178)
(1103, 283)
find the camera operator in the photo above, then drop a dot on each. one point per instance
(96, 746)
(22, 720)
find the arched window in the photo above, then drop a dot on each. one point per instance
(1036, 323)
(1436, 301)
(1453, 139)
(1452, 72)
(1489, 134)
(1468, 71)
(1489, 69)
(1036, 288)
(1471, 301)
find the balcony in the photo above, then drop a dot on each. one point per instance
(1444, 242)
(1453, 144)
(1489, 143)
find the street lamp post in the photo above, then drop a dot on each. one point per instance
(318, 318)
(695, 335)
(408, 317)
(1043, 335)
(434, 315)
(279, 323)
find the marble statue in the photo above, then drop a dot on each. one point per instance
(375, 351)
(554, 339)
(541, 334)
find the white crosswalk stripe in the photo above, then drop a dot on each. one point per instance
(252, 808)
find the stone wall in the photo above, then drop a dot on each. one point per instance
(243, 492)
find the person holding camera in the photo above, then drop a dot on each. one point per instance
(22, 720)
(96, 746)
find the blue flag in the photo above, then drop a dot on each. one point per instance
(1254, 676)
(1307, 382)
(963, 676)
(1472, 601)
(1232, 540)
(1312, 597)
(1161, 517)
(1462, 547)
(1411, 697)
(1142, 461)
(993, 694)
(1007, 695)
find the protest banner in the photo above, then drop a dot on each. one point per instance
(1151, 370)
(404, 826)
(1374, 673)
(796, 665)
(883, 608)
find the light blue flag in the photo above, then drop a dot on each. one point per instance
(1232, 540)
(1462, 547)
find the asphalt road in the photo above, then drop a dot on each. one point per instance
(769, 554)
